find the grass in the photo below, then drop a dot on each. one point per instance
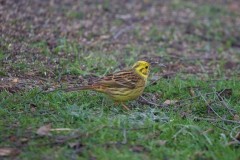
(195, 40)
(106, 131)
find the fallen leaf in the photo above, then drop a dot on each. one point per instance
(30, 73)
(169, 102)
(44, 130)
(24, 140)
(15, 80)
(13, 138)
(103, 37)
(191, 92)
(160, 143)
(9, 151)
(236, 117)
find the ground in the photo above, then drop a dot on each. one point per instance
(189, 109)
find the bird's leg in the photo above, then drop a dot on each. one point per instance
(125, 107)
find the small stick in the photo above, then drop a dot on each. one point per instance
(225, 104)
(216, 120)
(210, 106)
(62, 129)
(121, 31)
(152, 103)
(231, 134)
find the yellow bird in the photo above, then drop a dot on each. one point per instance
(121, 86)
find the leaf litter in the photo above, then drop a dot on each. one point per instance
(33, 36)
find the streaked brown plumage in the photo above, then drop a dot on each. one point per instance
(121, 86)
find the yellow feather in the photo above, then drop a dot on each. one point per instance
(124, 85)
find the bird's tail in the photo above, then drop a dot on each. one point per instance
(80, 88)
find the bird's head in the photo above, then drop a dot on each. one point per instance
(142, 68)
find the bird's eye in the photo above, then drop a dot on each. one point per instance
(146, 67)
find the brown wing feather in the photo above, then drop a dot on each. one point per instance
(122, 79)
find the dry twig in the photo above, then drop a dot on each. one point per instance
(123, 30)
(232, 136)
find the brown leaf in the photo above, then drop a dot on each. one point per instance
(23, 140)
(236, 117)
(191, 92)
(13, 138)
(9, 151)
(160, 143)
(15, 80)
(44, 130)
(169, 102)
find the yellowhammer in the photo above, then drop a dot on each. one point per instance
(121, 86)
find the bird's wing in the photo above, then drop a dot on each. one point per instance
(122, 79)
